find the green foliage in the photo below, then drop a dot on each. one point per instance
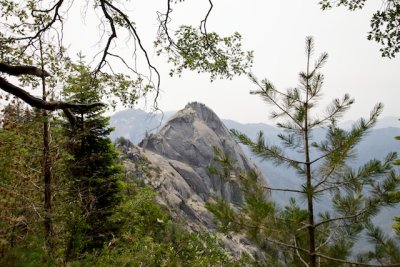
(396, 225)
(396, 197)
(21, 187)
(120, 227)
(148, 237)
(19, 168)
(94, 168)
(103, 86)
(31, 253)
(220, 56)
(385, 28)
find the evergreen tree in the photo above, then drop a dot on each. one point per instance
(297, 236)
(94, 165)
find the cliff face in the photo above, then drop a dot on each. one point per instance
(175, 162)
(189, 137)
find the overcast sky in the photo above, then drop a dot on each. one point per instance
(276, 31)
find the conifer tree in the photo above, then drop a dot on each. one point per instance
(301, 236)
(94, 169)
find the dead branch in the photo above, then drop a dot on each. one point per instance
(36, 102)
(22, 70)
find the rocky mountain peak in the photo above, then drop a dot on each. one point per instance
(190, 137)
(202, 112)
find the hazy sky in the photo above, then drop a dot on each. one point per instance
(276, 31)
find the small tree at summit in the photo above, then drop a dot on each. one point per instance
(94, 169)
(302, 237)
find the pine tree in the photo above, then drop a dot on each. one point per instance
(297, 236)
(94, 169)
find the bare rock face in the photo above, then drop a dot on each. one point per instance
(175, 162)
(189, 137)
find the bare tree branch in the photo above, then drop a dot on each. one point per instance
(342, 218)
(298, 255)
(22, 70)
(110, 38)
(356, 263)
(134, 32)
(39, 103)
(203, 23)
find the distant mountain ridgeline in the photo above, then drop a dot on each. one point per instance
(134, 124)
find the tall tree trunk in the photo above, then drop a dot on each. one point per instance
(47, 175)
(47, 182)
(310, 205)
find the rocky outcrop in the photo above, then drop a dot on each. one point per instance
(190, 137)
(175, 162)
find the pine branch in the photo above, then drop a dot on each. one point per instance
(262, 150)
(297, 248)
(335, 186)
(334, 110)
(358, 214)
(264, 92)
(243, 177)
(325, 242)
